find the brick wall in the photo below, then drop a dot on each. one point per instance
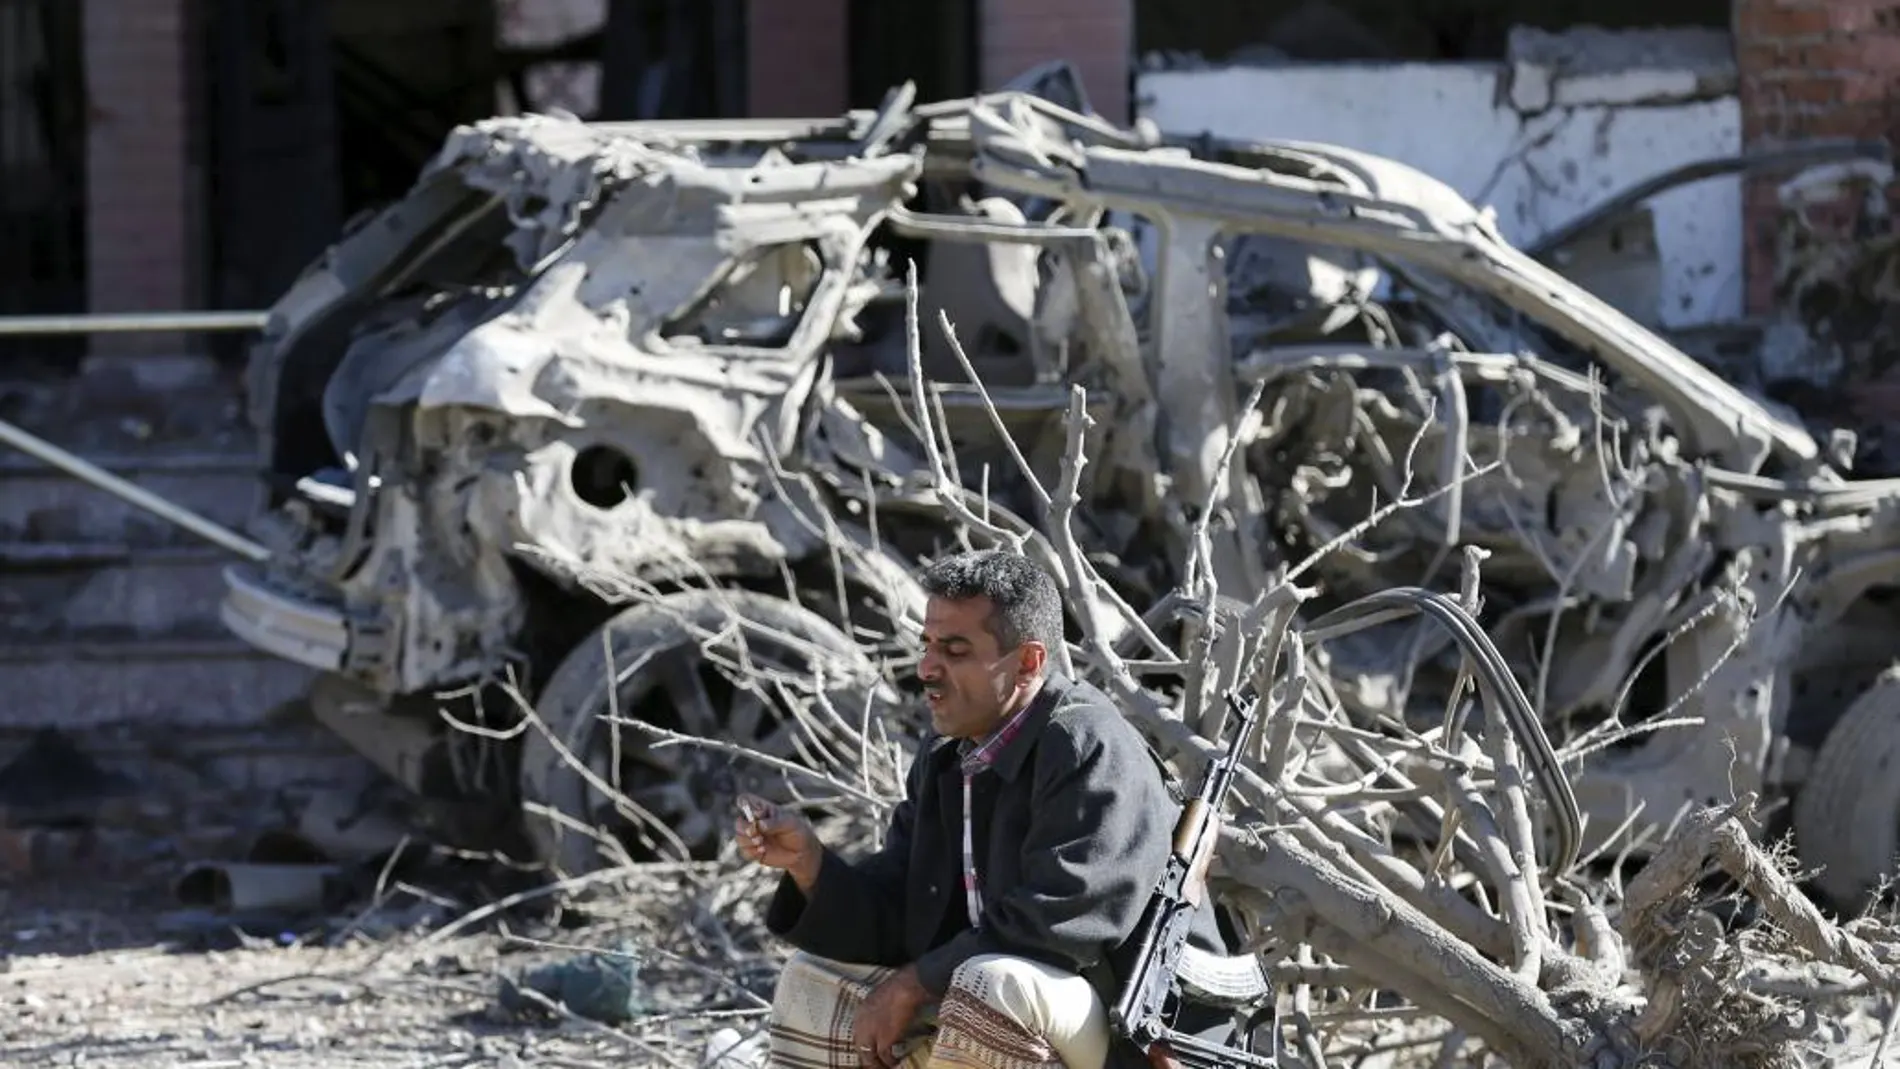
(798, 51)
(137, 196)
(1098, 36)
(1809, 68)
(796, 58)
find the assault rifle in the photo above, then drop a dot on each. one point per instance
(1163, 930)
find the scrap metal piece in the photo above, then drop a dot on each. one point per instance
(253, 888)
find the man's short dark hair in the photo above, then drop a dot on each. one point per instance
(1024, 601)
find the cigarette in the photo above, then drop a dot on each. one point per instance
(751, 814)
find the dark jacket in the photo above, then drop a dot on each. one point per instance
(1080, 822)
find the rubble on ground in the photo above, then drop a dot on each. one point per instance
(601, 462)
(402, 978)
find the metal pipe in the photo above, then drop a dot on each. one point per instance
(131, 322)
(86, 471)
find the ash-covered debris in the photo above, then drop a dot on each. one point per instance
(603, 460)
(1833, 336)
(600, 985)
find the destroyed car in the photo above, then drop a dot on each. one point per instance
(593, 394)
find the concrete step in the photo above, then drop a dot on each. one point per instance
(181, 796)
(183, 683)
(228, 761)
(96, 590)
(108, 615)
(39, 503)
(132, 404)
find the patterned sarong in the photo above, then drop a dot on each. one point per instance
(988, 1019)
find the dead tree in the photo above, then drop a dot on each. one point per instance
(1416, 892)
(1442, 867)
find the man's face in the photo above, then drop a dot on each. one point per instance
(970, 682)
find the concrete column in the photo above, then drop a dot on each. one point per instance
(797, 56)
(1097, 36)
(138, 251)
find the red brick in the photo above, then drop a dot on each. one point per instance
(1097, 36)
(1863, 121)
(1878, 52)
(1828, 54)
(1775, 20)
(1869, 85)
(1758, 56)
(138, 241)
(796, 63)
(1762, 124)
(1809, 89)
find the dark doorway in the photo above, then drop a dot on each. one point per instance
(673, 59)
(272, 193)
(42, 173)
(323, 109)
(930, 42)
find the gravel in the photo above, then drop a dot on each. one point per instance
(118, 977)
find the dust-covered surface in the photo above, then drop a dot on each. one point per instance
(1523, 592)
(114, 977)
(656, 367)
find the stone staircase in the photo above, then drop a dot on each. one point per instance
(109, 628)
(108, 615)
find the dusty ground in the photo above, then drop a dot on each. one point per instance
(412, 975)
(119, 978)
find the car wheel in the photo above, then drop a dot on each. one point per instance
(732, 668)
(1847, 814)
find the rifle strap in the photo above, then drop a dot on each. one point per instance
(1177, 790)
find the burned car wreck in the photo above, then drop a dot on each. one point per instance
(593, 391)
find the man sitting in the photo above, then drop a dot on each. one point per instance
(989, 928)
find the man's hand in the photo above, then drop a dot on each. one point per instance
(885, 1016)
(779, 840)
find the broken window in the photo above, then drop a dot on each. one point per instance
(759, 302)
